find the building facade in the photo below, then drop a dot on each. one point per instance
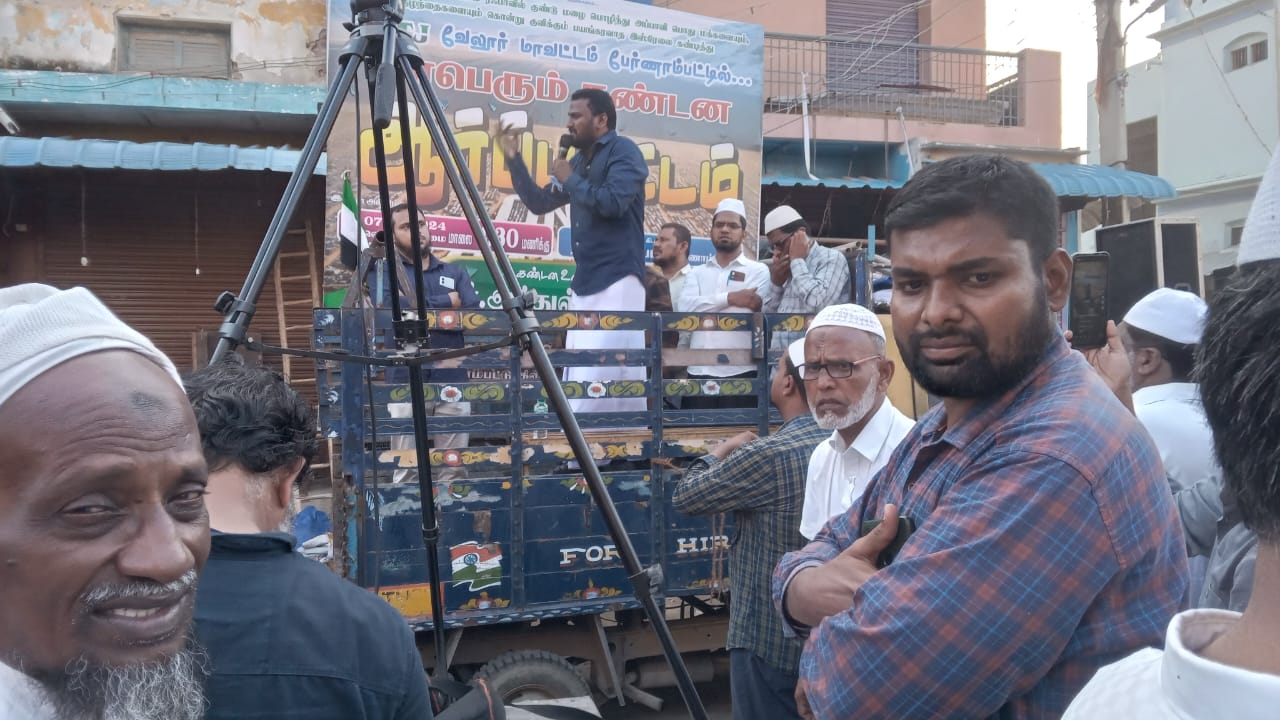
(1203, 114)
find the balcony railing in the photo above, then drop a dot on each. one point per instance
(864, 77)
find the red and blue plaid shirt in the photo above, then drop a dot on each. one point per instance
(1046, 547)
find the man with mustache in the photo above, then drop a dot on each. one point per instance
(103, 525)
(1046, 541)
(846, 375)
(286, 637)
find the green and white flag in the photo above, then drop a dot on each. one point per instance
(350, 232)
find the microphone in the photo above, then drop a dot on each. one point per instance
(566, 141)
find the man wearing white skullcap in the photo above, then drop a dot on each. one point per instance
(1218, 663)
(103, 525)
(805, 276)
(730, 282)
(1160, 334)
(761, 481)
(846, 376)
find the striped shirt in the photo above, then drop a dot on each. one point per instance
(762, 484)
(819, 280)
(1046, 546)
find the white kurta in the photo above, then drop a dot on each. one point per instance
(706, 289)
(625, 295)
(838, 473)
(1179, 683)
(20, 697)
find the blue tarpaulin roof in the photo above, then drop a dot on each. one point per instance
(123, 155)
(1066, 179)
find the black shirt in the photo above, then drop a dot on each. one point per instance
(289, 639)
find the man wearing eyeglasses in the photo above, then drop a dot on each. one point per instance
(806, 276)
(846, 376)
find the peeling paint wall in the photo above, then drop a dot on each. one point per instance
(274, 41)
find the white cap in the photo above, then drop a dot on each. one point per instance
(1175, 315)
(780, 216)
(42, 327)
(1261, 237)
(795, 351)
(733, 205)
(850, 316)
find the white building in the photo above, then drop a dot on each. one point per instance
(1203, 114)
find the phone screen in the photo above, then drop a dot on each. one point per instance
(1087, 317)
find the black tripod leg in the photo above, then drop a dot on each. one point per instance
(239, 310)
(526, 326)
(430, 523)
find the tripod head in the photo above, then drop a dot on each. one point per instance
(376, 10)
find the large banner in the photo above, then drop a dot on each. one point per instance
(688, 90)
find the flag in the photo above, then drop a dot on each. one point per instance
(349, 230)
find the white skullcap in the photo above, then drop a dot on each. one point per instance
(733, 205)
(780, 216)
(795, 351)
(850, 316)
(1261, 237)
(42, 326)
(1175, 315)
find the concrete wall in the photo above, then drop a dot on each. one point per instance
(277, 41)
(1216, 123)
(954, 23)
(802, 17)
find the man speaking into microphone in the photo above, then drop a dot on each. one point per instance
(604, 187)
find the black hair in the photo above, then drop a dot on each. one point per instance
(1008, 190)
(598, 101)
(1239, 375)
(682, 236)
(250, 417)
(794, 372)
(1181, 358)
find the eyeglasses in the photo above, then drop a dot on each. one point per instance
(836, 369)
(782, 241)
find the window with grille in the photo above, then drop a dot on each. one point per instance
(1247, 50)
(174, 49)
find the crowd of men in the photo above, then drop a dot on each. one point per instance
(1019, 551)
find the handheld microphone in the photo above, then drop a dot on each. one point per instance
(566, 141)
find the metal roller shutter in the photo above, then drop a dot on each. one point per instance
(140, 240)
(871, 54)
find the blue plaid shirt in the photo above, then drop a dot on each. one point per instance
(1046, 546)
(762, 484)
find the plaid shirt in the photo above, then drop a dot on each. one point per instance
(1046, 547)
(762, 483)
(817, 281)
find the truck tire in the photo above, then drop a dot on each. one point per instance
(532, 674)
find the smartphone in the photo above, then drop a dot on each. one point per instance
(1087, 311)
(906, 526)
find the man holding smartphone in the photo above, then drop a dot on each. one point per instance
(1046, 541)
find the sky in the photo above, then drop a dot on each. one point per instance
(1068, 27)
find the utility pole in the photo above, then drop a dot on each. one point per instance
(1113, 141)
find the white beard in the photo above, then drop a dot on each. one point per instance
(171, 689)
(832, 421)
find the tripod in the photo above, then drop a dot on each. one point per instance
(394, 67)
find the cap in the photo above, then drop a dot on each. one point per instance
(1260, 239)
(850, 316)
(795, 351)
(42, 326)
(1175, 315)
(780, 216)
(733, 205)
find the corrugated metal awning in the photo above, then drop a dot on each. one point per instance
(1099, 181)
(1066, 179)
(844, 182)
(123, 155)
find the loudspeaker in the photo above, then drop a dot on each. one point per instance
(1149, 254)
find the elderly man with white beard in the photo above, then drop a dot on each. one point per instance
(846, 375)
(103, 526)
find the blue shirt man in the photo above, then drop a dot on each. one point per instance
(604, 188)
(445, 286)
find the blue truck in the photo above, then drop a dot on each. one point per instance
(535, 597)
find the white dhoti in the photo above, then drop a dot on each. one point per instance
(625, 295)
